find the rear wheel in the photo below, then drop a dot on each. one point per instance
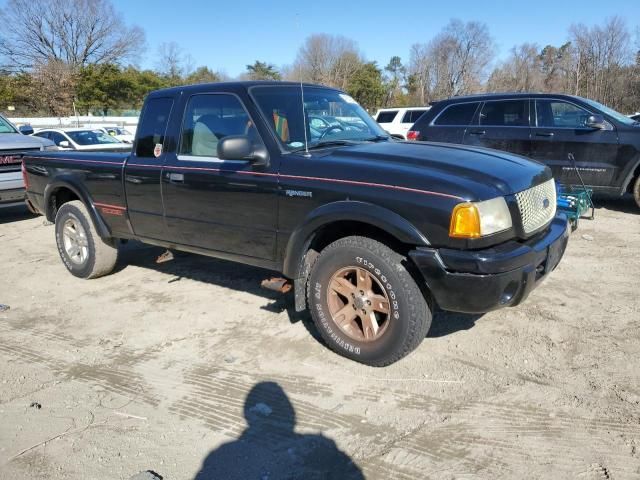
(365, 303)
(636, 191)
(81, 249)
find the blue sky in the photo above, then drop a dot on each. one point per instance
(228, 35)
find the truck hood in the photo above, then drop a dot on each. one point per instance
(468, 172)
(17, 141)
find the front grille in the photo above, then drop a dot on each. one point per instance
(10, 160)
(537, 206)
(17, 151)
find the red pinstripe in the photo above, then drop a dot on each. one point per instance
(107, 205)
(265, 174)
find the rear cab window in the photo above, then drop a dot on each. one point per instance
(457, 115)
(505, 113)
(153, 126)
(386, 117)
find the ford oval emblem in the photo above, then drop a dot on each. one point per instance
(546, 203)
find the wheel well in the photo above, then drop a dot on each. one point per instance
(61, 196)
(331, 232)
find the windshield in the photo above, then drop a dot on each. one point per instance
(6, 127)
(329, 116)
(611, 112)
(91, 137)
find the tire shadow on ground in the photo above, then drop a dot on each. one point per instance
(247, 279)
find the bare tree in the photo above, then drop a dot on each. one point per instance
(173, 63)
(419, 73)
(521, 72)
(53, 84)
(601, 53)
(327, 59)
(453, 63)
(76, 32)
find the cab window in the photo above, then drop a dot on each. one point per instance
(459, 115)
(559, 114)
(411, 116)
(153, 126)
(505, 113)
(208, 119)
(386, 117)
(57, 138)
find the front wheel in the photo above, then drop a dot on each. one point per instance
(636, 191)
(365, 303)
(81, 249)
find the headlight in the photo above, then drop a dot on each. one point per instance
(478, 219)
(47, 148)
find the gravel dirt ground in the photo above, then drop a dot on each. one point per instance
(190, 370)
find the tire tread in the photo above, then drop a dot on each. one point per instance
(419, 316)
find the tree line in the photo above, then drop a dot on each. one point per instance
(80, 55)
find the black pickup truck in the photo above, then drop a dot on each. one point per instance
(374, 233)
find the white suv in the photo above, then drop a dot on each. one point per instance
(398, 121)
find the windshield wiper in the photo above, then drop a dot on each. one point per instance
(377, 138)
(327, 143)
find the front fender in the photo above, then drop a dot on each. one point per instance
(71, 183)
(346, 210)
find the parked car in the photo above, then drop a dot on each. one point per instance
(373, 233)
(13, 144)
(85, 139)
(398, 121)
(561, 131)
(121, 134)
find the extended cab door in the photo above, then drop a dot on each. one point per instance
(143, 168)
(503, 125)
(560, 131)
(220, 205)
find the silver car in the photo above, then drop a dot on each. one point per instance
(13, 144)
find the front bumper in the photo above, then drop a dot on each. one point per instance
(478, 281)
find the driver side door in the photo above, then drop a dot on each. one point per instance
(560, 133)
(220, 205)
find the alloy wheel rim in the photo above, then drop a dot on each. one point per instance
(74, 239)
(358, 304)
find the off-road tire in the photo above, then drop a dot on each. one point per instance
(409, 316)
(101, 256)
(636, 191)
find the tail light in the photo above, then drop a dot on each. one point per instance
(25, 178)
(413, 135)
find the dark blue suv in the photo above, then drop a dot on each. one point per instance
(557, 130)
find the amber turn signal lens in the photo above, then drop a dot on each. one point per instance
(465, 221)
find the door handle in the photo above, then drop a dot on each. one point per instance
(175, 177)
(477, 132)
(544, 134)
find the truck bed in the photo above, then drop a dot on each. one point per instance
(95, 178)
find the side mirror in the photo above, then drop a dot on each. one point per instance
(26, 130)
(239, 147)
(597, 122)
(64, 144)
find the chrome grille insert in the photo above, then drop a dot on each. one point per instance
(537, 206)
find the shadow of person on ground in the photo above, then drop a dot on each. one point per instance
(270, 448)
